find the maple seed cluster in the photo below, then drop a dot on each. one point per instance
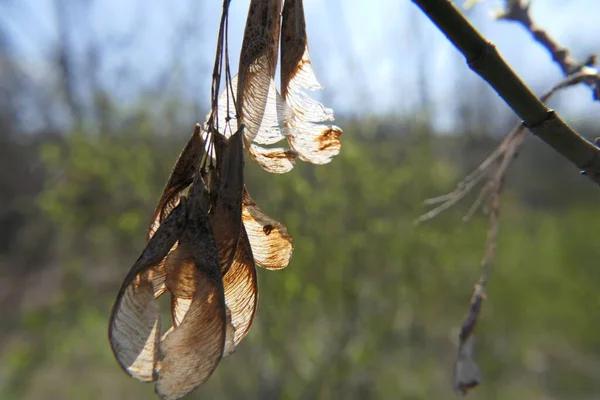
(207, 234)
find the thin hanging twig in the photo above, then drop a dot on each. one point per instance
(484, 59)
(222, 52)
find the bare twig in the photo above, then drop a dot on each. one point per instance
(511, 144)
(466, 373)
(518, 11)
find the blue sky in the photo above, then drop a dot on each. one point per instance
(372, 56)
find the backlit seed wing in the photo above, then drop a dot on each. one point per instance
(181, 177)
(258, 60)
(271, 243)
(241, 289)
(256, 95)
(134, 326)
(192, 351)
(274, 160)
(136, 329)
(314, 142)
(271, 129)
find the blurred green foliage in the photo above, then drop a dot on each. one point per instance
(370, 305)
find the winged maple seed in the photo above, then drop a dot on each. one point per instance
(134, 329)
(211, 278)
(270, 117)
(314, 142)
(202, 332)
(227, 186)
(207, 234)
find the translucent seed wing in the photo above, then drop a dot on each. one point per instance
(192, 351)
(261, 109)
(181, 280)
(314, 142)
(241, 289)
(274, 160)
(134, 326)
(135, 330)
(271, 129)
(271, 243)
(258, 59)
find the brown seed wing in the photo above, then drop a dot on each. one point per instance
(293, 41)
(190, 353)
(134, 326)
(314, 142)
(181, 177)
(271, 243)
(181, 272)
(241, 289)
(226, 215)
(181, 280)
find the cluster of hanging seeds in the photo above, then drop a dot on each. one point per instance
(207, 234)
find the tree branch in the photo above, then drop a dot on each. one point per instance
(480, 54)
(483, 58)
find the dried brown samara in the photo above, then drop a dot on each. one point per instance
(190, 352)
(187, 354)
(213, 298)
(207, 234)
(271, 117)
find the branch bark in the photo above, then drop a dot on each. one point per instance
(483, 58)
